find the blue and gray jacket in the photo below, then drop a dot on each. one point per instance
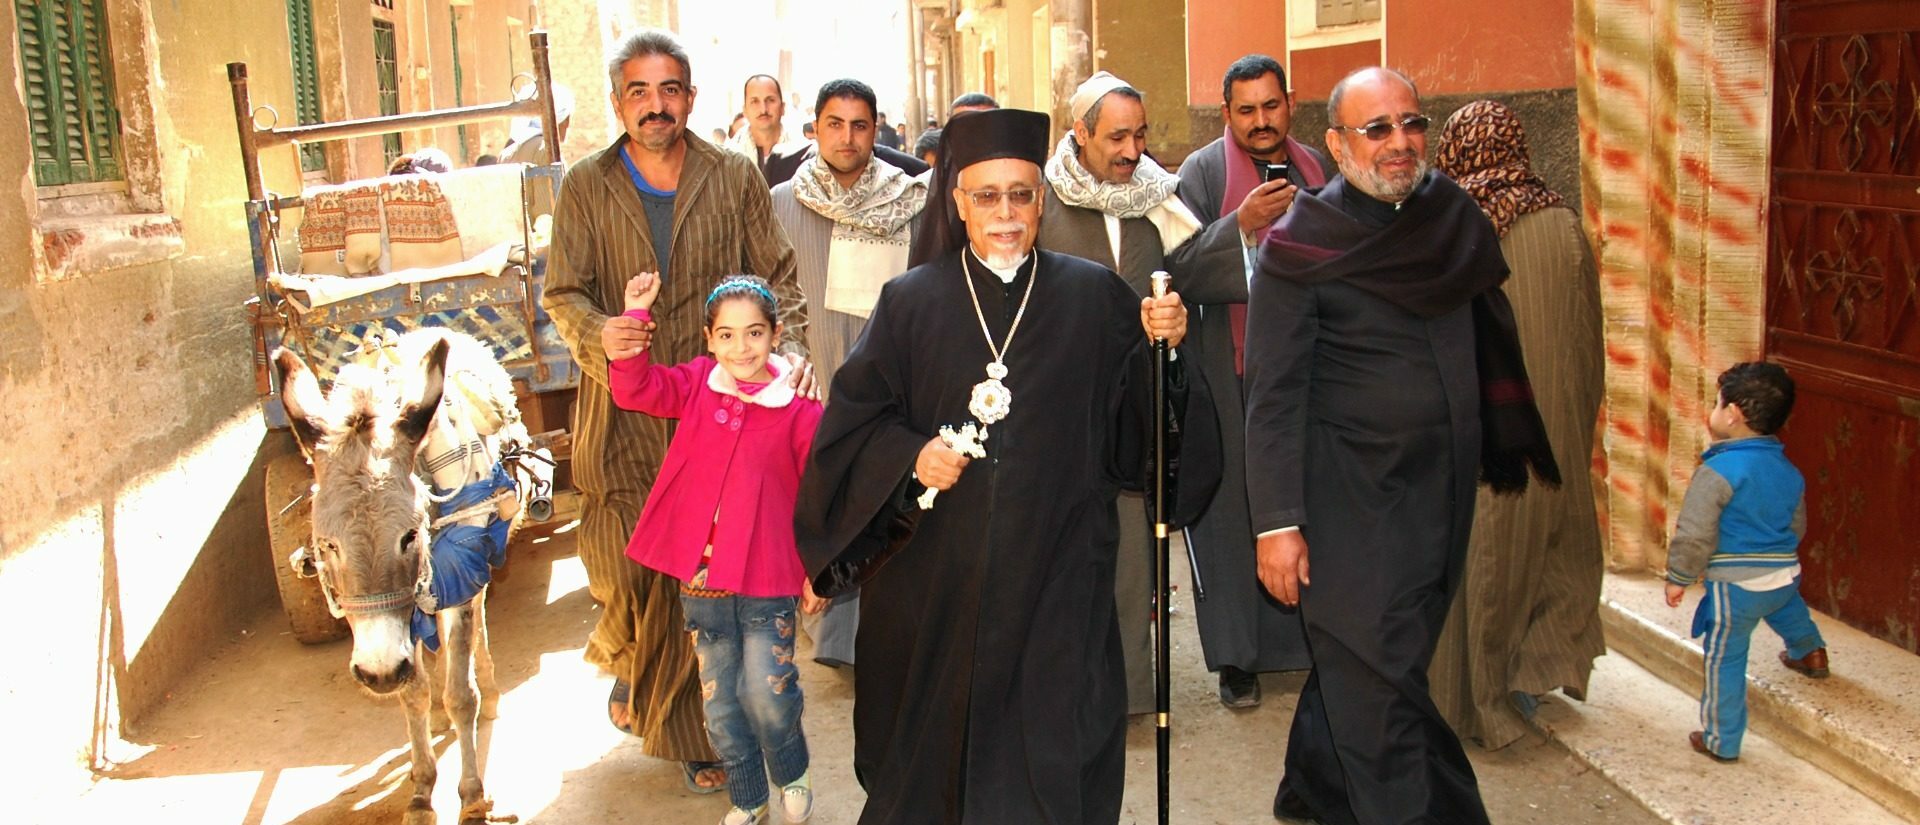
(1743, 515)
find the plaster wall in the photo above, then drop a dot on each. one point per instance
(130, 445)
(578, 41)
(1219, 32)
(1469, 46)
(1133, 44)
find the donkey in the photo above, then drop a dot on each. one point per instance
(433, 398)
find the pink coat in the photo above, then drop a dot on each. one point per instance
(731, 473)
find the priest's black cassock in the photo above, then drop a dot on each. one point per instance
(1383, 378)
(990, 688)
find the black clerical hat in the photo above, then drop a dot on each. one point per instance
(969, 138)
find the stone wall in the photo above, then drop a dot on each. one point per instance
(132, 447)
(131, 444)
(1153, 62)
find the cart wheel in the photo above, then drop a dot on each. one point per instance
(289, 478)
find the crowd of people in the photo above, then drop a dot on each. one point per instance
(898, 401)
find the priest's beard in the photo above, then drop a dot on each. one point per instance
(1007, 256)
(1391, 188)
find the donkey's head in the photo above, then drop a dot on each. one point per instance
(369, 512)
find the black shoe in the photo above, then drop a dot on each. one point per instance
(1239, 689)
(1289, 807)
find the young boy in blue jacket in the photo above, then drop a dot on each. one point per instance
(1740, 529)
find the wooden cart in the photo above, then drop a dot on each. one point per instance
(502, 310)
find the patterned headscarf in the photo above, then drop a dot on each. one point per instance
(1483, 149)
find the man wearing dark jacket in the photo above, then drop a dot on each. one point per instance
(1243, 631)
(1384, 377)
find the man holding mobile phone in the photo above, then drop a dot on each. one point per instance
(1252, 174)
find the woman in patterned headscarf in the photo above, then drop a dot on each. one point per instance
(1528, 620)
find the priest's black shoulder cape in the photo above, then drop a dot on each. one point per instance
(990, 687)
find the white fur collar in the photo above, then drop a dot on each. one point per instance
(777, 393)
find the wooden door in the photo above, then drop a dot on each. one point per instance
(1843, 297)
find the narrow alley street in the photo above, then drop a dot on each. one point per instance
(269, 731)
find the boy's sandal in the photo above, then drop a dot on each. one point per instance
(692, 771)
(621, 694)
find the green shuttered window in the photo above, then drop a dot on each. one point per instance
(386, 71)
(68, 75)
(306, 79)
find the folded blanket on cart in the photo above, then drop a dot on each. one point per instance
(421, 231)
(340, 229)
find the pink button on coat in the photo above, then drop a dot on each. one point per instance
(731, 473)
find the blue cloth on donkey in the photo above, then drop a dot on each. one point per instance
(462, 556)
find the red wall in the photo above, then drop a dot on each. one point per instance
(1222, 31)
(1469, 46)
(1316, 70)
(1448, 46)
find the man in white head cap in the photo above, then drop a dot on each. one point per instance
(527, 144)
(990, 679)
(1111, 204)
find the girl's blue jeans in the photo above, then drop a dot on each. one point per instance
(750, 687)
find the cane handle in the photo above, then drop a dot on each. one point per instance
(1160, 281)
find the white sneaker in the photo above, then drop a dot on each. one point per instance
(740, 816)
(797, 798)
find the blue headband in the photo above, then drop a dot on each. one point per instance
(727, 286)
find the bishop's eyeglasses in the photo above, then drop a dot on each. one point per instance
(990, 198)
(1382, 129)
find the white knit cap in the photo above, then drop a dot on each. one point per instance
(1091, 91)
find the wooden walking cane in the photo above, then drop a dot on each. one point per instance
(1162, 684)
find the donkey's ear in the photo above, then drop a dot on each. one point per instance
(300, 394)
(422, 398)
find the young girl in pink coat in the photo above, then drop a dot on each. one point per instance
(720, 519)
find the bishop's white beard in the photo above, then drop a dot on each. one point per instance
(1000, 258)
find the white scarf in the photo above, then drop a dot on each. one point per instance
(872, 227)
(1151, 194)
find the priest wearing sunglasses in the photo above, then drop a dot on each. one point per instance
(1384, 380)
(964, 476)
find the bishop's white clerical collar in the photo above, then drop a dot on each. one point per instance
(1007, 275)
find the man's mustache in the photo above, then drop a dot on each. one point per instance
(658, 117)
(1263, 130)
(1126, 161)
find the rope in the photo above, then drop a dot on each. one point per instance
(483, 508)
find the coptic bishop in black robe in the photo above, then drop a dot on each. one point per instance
(990, 682)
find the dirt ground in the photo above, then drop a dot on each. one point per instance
(269, 731)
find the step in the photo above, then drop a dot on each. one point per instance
(1634, 732)
(1862, 725)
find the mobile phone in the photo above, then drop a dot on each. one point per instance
(1274, 171)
